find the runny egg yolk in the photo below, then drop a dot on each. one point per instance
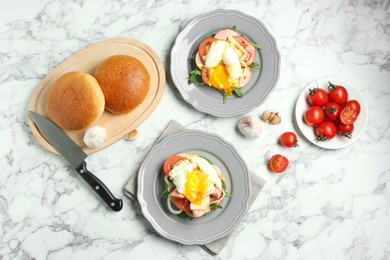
(196, 186)
(219, 78)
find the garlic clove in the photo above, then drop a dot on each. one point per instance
(271, 117)
(276, 119)
(133, 135)
(95, 136)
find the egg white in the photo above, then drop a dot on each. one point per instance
(222, 51)
(214, 55)
(233, 65)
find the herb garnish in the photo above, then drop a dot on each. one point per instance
(210, 162)
(225, 97)
(165, 193)
(238, 92)
(257, 47)
(215, 206)
(223, 185)
(255, 66)
(194, 76)
(184, 214)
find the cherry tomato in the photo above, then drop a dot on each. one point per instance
(345, 130)
(337, 94)
(355, 105)
(326, 130)
(314, 115)
(289, 139)
(170, 162)
(205, 46)
(332, 111)
(250, 55)
(348, 115)
(318, 97)
(278, 163)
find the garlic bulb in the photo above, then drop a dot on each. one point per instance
(250, 126)
(95, 136)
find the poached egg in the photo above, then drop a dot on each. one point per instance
(196, 179)
(224, 64)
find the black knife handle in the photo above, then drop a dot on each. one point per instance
(98, 186)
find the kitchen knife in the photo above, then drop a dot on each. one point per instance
(75, 157)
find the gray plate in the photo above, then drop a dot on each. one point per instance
(214, 225)
(208, 99)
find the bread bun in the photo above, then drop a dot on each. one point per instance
(124, 81)
(75, 101)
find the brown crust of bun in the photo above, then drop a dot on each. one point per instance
(75, 101)
(124, 81)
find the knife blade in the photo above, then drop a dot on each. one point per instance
(75, 157)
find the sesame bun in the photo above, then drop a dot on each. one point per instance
(124, 81)
(75, 101)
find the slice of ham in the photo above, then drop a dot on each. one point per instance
(197, 213)
(216, 195)
(225, 33)
(245, 80)
(176, 195)
(199, 60)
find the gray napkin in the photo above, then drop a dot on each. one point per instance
(256, 183)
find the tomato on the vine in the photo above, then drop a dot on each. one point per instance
(332, 111)
(337, 94)
(348, 115)
(318, 97)
(326, 130)
(314, 115)
(289, 139)
(278, 163)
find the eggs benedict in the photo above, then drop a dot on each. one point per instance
(193, 184)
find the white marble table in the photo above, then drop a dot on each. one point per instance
(327, 205)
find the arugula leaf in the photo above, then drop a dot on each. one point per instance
(196, 72)
(257, 47)
(234, 28)
(193, 77)
(238, 92)
(165, 193)
(228, 194)
(210, 162)
(215, 206)
(255, 66)
(211, 35)
(184, 214)
(225, 97)
(223, 185)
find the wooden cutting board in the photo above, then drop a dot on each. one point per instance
(87, 60)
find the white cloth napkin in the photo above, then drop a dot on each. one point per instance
(256, 183)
